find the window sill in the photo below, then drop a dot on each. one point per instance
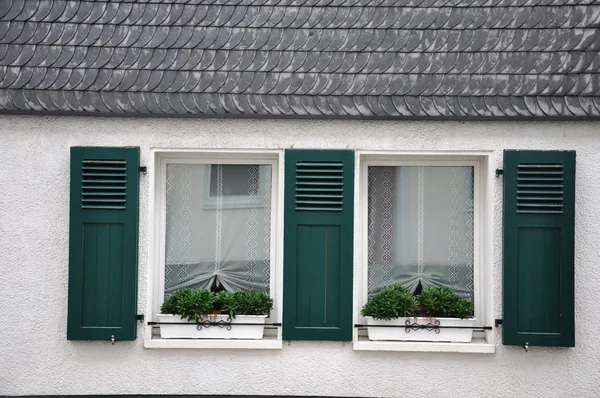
(264, 344)
(477, 346)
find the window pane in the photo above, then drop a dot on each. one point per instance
(209, 243)
(420, 228)
(232, 179)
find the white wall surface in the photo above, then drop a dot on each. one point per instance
(36, 358)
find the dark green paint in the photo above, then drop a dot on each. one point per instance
(318, 301)
(103, 242)
(318, 252)
(538, 255)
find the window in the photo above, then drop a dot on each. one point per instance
(216, 221)
(217, 246)
(237, 185)
(420, 227)
(233, 180)
(419, 224)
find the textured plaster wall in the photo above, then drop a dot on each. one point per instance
(36, 358)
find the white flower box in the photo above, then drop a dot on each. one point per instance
(170, 329)
(404, 331)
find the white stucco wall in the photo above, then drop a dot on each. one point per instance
(36, 358)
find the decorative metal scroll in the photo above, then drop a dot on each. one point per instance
(415, 326)
(210, 323)
(433, 325)
(207, 322)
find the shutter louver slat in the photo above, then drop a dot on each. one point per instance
(531, 177)
(318, 186)
(101, 178)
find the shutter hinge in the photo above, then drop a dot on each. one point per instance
(499, 172)
(143, 169)
(139, 317)
(497, 322)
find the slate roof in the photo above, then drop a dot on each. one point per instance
(390, 59)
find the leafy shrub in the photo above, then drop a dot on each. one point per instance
(441, 301)
(252, 303)
(224, 303)
(188, 303)
(193, 304)
(393, 301)
(170, 306)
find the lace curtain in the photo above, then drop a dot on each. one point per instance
(420, 227)
(218, 226)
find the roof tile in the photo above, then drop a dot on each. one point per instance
(347, 58)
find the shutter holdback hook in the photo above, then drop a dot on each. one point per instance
(525, 346)
(113, 340)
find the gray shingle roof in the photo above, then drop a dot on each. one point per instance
(296, 58)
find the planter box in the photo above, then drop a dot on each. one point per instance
(404, 331)
(223, 330)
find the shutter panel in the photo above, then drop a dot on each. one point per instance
(103, 243)
(539, 240)
(318, 245)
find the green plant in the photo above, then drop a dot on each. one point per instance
(225, 303)
(170, 305)
(252, 303)
(441, 301)
(190, 304)
(393, 301)
(193, 304)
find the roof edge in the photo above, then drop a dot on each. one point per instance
(300, 117)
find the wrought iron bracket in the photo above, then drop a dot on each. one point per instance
(276, 324)
(432, 326)
(206, 323)
(421, 326)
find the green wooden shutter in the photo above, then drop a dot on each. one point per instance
(103, 243)
(317, 295)
(539, 240)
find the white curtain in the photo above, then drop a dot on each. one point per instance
(218, 226)
(420, 227)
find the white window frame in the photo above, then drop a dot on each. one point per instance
(157, 227)
(482, 256)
